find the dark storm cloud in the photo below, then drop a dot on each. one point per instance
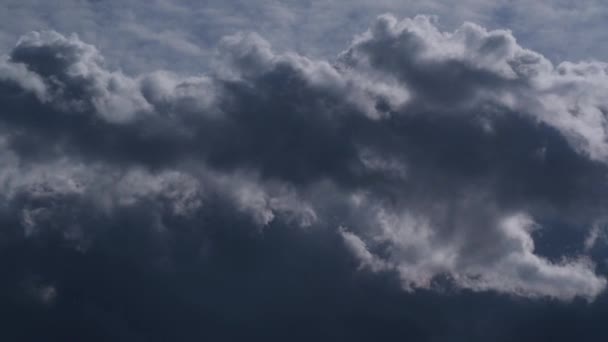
(425, 157)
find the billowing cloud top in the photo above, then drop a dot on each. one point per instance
(432, 156)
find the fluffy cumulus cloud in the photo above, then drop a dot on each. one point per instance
(425, 156)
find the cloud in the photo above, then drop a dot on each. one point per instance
(424, 154)
(457, 78)
(415, 253)
(170, 39)
(315, 28)
(75, 78)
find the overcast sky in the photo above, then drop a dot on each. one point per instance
(303, 170)
(181, 34)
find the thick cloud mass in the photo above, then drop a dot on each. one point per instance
(426, 157)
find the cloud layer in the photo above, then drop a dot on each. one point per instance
(425, 155)
(180, 34)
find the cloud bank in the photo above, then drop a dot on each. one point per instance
(427, 155)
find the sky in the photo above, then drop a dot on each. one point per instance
(303, 170)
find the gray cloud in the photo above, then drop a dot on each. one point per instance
(185, 28)
(433, 154)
